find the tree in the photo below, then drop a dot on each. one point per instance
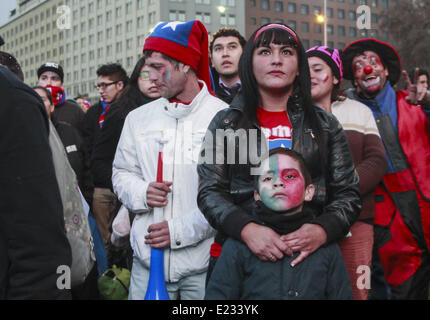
(408, 24)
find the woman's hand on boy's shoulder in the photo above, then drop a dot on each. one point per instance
(265, 243)
(307, 239)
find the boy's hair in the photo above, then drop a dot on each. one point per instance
(113, 70)
(293, 154)
(227, 32)
(47, 92)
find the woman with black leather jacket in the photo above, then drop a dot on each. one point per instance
(276, 104)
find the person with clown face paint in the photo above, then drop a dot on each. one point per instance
(282, 190)
(326, 71)
(402, 199)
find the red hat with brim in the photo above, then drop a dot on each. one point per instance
(389, 56)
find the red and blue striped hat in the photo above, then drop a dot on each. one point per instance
(187, 42)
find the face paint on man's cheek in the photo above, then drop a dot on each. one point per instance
(376, 61)
(166, 76)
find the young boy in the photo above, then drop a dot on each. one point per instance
(281, 190)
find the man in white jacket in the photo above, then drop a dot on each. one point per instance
(177, 56)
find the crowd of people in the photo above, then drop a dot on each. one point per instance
(247, 161)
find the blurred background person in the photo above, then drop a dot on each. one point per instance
(111, 81)
(83, 103)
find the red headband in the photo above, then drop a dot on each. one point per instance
(274, 25)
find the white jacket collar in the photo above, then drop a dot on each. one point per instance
(179, 110)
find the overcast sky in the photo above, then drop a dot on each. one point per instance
(5, 7)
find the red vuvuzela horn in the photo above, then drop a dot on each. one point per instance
(157, 285)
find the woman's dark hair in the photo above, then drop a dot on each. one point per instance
(47, 92)
(301, 95)
(134, 77)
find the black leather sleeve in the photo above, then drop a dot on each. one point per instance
(214, 198)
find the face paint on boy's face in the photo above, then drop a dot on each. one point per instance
(282, 186)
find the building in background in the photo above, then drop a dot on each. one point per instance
(100, 31)
(103, 31)
(301, 15)
(31, 35)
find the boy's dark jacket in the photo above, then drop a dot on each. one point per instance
(239, 274)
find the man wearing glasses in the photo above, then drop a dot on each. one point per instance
(112, 79)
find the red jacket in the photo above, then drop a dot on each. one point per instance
(409, 219)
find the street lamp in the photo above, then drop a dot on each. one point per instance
(221, 9)
(322, 18)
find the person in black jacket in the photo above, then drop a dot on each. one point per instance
(51, 75)
(281, 192)
(33, 242)
(275, 109)
(73, 144)
(111, 81)
(226, 48)
(139, 91)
